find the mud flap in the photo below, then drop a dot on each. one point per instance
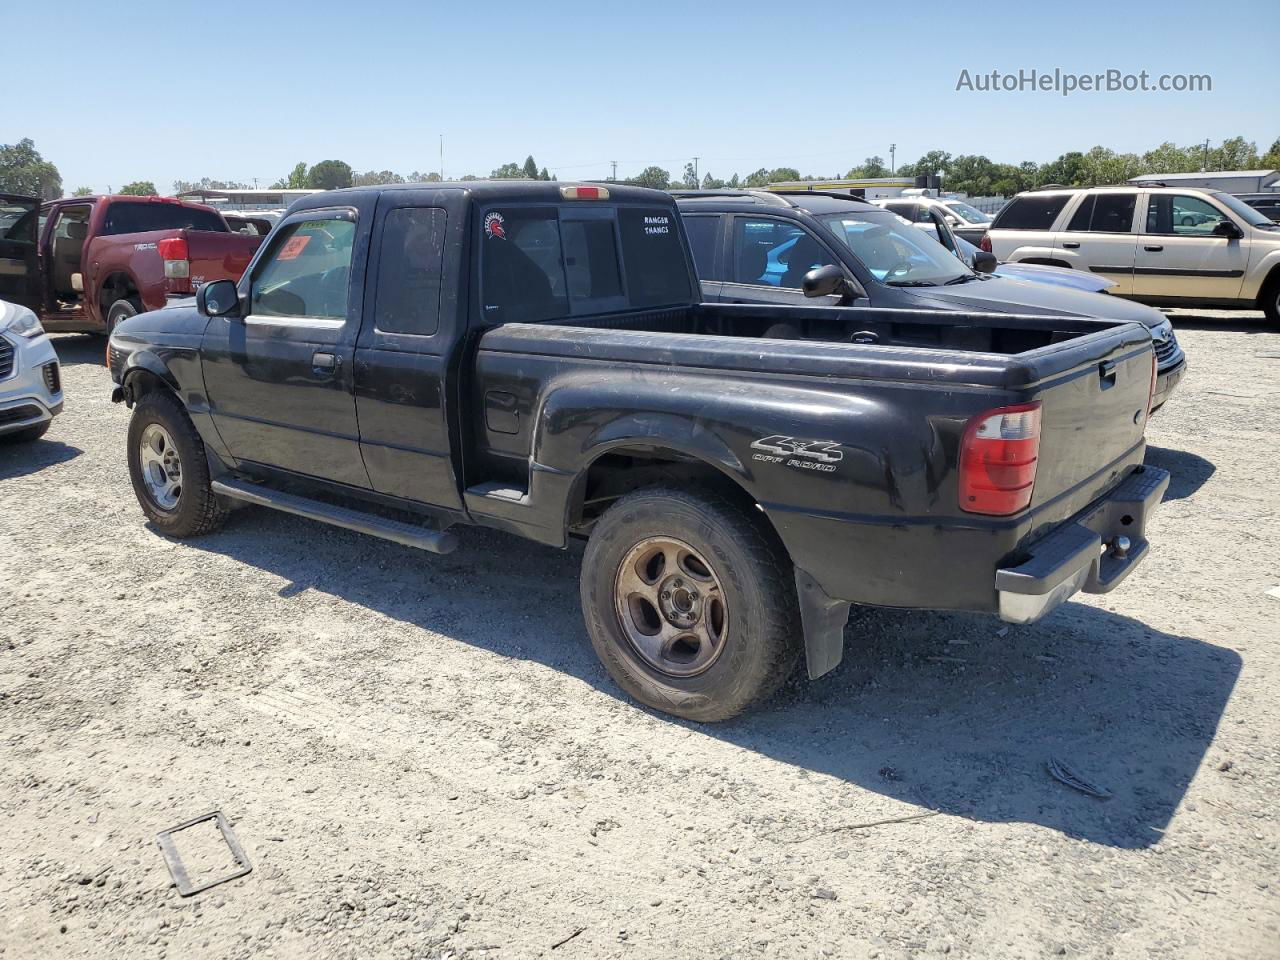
(823, 620)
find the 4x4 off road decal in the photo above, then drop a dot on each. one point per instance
(495, 225)
(820, 455)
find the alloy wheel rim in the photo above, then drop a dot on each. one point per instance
(671, 606)
(161, 466)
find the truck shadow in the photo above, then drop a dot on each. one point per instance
(80, 348)
(20, 459)
(1188, 472)
(1239, 321)
(948, 712)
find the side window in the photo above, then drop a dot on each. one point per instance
(657, 268)
(906, 210)
(1113, 213)
(1084, 214)
(1031, 212)
(409, 269)
(702, 233)
(307, 272)
(1170, 213)
(774, 253)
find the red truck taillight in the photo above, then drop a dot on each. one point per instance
(985, 244)
(173, 252)
(998, 460)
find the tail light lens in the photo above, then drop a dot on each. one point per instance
(173, 251)
(998, 460)
(985, 244)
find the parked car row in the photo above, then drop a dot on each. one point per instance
(844, 413)
(1166, 246)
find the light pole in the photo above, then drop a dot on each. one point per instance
(893, 164)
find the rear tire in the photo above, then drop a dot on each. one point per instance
(122, 310)
(1271, 301)
(709, 624)
(28, 434)
(168, 468)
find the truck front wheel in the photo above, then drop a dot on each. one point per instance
(168, 468)
(120, 310)
(690, 602)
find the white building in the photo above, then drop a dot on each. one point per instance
(1229, 181)
(246, 199)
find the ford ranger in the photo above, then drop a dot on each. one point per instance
(534, 357)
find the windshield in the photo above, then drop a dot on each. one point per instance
(966, 212)
(1245, 212)
(894, 251)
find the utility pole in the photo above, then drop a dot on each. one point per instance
(442, 156)
(1204, 163)
(696, 181)
(615, 170)
(893, 164)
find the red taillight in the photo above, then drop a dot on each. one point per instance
(985, 244)
(998, 460)
(173, 251)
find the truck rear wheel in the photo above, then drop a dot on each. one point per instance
(690, 602)
(168, 469)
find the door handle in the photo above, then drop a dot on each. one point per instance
(1070, 244)
(1107, 373)
(325, 362)
(1153, 248)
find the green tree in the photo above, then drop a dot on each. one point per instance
(508, 171)
(545, 174)
(932, 163)
(1067, 170)
(187, 186)
(297, 179)
(417, 177)
(139, 188)
(1271, 159)
(711, 183)
(871, 167)
(1237, 153)
(329, 175)
(530, 169)
(371, 178)
(1170, 158)
(82, 192)
(24, 171)
(690, 179)
(779, 174)
(733, 183)
(1102, 166)
(654, 177)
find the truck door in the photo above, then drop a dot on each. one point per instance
(412, 321)
(19, 250)
(279, 379)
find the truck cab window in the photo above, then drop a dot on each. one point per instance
(307, 271)
(521, 266)
(409, 271)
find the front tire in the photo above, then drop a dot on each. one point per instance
(690, 602)
(1271, 301)
(168, 468)
(122, 310)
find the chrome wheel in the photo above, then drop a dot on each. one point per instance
(161, 466)
(671, 606)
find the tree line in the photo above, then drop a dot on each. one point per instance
(24, 171)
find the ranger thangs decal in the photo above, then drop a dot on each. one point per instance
(820, 455)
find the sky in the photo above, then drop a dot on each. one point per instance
(159, 91)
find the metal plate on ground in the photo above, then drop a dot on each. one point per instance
(178, 870)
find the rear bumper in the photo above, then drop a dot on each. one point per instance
(1092, 552)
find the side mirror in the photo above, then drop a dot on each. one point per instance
(218, 299)
(1225, 228)
(984, 262)
(826, 281)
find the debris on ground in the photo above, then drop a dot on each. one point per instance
(1065, 775)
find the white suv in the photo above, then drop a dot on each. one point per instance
(1166, 246)
(30, 381)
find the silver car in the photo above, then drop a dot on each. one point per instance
(30, 380)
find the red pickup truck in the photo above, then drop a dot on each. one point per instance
(86, 263)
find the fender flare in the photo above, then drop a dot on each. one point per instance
(144, 361)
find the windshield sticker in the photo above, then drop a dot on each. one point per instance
(820, 455)
(293, 246)
(656, 226)
(495, 225)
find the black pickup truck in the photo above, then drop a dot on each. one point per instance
(534, 357)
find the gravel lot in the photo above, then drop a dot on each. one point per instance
(422, 757)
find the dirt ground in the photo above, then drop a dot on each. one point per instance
(422, 758)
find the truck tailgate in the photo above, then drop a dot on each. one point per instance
(218, 256)
(1093, 417)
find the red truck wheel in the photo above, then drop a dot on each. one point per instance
(690, 602)
(122, 309)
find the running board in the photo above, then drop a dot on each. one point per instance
(423, 538)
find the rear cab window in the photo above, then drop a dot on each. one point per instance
(543, 262)
(128, 217)
(1031, 212)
